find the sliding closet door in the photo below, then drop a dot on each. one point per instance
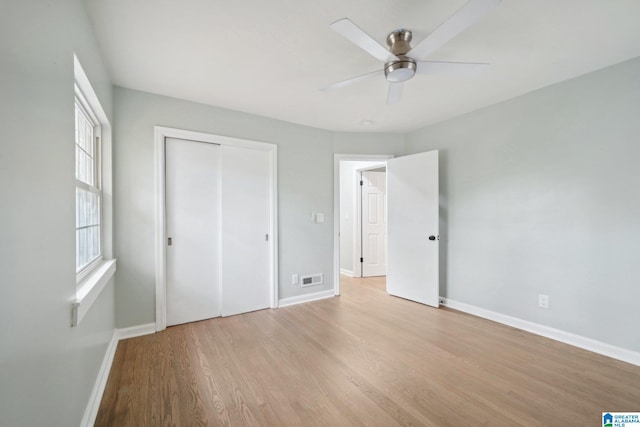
(193, 224)
(245, 230)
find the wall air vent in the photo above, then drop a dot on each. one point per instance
(311, 280)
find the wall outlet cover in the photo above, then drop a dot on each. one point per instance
(543, 301)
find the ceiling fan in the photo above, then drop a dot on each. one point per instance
(401, 61)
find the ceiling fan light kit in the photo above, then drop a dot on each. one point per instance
(400, 63)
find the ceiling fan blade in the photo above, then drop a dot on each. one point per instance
(470, 13)
(353, 80)
(395, 92)
(462, 69)
(357, 36)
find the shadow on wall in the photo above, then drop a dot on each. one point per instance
(444, 221)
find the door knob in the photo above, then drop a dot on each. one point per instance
(432, 237)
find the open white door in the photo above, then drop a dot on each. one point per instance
(413, 215)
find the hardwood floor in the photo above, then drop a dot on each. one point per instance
(364, 358)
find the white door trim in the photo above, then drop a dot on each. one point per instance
(160, 134)
(373, 168)
(336, 206)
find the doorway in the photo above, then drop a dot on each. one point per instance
(351, 213)
(412, 224)
(363, 225)
(216, 229)
(347, 201)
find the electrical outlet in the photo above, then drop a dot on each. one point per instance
(543, 301)
(294, 279)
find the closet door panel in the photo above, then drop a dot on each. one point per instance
(193, 230)
(245, 236)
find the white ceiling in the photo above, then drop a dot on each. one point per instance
(271, 57)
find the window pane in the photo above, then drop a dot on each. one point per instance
(87, 246)
(85, 158)
(87, 227)
(87, 208)
(84, 167)
(85, 132)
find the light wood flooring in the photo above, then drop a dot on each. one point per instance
(364, 358)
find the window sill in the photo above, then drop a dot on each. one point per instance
(90, 288)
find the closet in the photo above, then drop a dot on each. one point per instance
(218, 229)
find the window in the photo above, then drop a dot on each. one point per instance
(88, 192)
(95, 265)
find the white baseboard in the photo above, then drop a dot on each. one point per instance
(585, 343)
(91, 411)
(306, 298)
(136, 331)
(346, 272)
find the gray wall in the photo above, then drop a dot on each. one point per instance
(47, 368)
(368, 143)
(305, 185)
(541, 194)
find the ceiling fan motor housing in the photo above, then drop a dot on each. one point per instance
(403, 68)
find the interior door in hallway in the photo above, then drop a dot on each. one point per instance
(374, 223)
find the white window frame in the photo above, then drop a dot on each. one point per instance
(93, 278)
